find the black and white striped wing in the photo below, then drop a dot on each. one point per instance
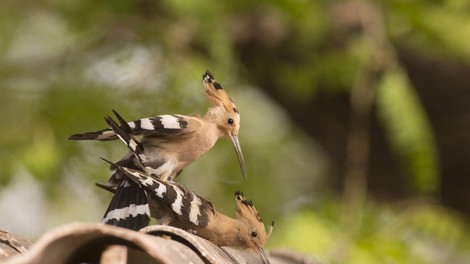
(158, 126)
(129, 207)
(184, 203)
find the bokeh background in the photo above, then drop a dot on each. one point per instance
(355, 114)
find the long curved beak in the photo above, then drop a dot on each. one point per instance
(236, 144)
(262, 255)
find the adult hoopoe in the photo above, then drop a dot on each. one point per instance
(172, 142)
(185, 209)
(169, 144)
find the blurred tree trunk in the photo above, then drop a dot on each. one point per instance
(444, 88)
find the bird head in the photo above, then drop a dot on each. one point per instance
(253, 234)
(224, 113)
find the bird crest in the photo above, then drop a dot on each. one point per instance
(217, 94)
(246, 211)
(245, 208)
(253, 231)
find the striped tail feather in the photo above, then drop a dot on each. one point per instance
(129, 207)
(106, 134)
(100, 135)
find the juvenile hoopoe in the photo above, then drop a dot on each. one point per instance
(187, 210)
(169, 144)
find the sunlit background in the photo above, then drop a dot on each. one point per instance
(355, 115)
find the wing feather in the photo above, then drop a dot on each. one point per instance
(183, 202)
(157, 126)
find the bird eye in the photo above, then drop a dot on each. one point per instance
(254, 234)
(230, 121)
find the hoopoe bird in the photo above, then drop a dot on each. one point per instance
(187, 210)
(169, 143)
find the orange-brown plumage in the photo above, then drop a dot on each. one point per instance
(172, 142)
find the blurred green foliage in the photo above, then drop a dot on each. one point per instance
(390, 234)
(66, 64)
(408, 130)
